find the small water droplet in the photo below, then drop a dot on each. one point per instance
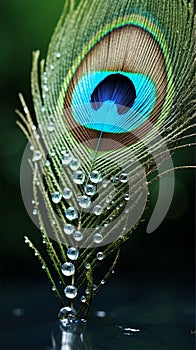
(84, 201)
(53, 288)
(83, 299)
(105, 183)
(78, 236)
(68, 269)
(101, 314)
(51, 126)
(63, 150)
(126, 197)
(58, 54)
(52, 153)
(114, 179)
(70, 292)
(68, 229)
(102, 282)
(18, 311)
(72, 253)
(95, 176)
(79, 177)
(66, 158)
(51, 66)
(67, 193)
(90, 190)
(123, 177)
(87, 291)
(43, 266)
(94, 287)
(47, 163)
(87, 266)
(74, 164)
(100, 255)
(108, 198)
(34, 211)
(45, 87)
(56, 197)
(71, 213)
(36, 156)
(97, 210)
(33, 127)
(97, 238)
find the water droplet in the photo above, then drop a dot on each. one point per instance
(63, 150)
(56, 197)
(70, 292)
(18, 311)
(71, 213)
(45, 88)
(52, 153)
(97, 210)
(68, 229)
(34, 211)
(53, 288)
(123, 177)
(33, 127)
(72, 253)
(47, 163)
(95, 176)
(36, 156)
(67, 313)
(43, 266)
(50, 126)
(102, 282)
(94, 287)
(31, 148)
(51, 66)
(90, 190)
(83, 299)
(114, 179)
(84, 201)
(87, 266)
(58, 54)
(66, 158)
(105, 183)
(68, 269)
(74, 164)
(100, 255)
(87, 291)
(126, 196)
(79, 177)
(97, 238)
(78, 236)
(101, 314)
(108, 198)
(67, 193)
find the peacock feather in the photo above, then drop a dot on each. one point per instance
(112, 101)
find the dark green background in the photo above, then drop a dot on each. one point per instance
(165, 257)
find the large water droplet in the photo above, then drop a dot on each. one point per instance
(67, 193)
(70, 292)
(97, 238)
(79, 177)
(78, 236)
(74, 164)
(71, 213)
(68, 269)
(84, 201)
(97, 210)
(56, 197)
(68, 229)
(72, 253)
(90, 190)
(65, 314)
(95, 176)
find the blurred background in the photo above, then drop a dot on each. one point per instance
(155, 274)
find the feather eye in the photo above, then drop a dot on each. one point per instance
(130, 64)
(116, 93)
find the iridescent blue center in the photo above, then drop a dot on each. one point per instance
(114, 102)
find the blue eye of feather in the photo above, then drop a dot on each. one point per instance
(114, 102)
